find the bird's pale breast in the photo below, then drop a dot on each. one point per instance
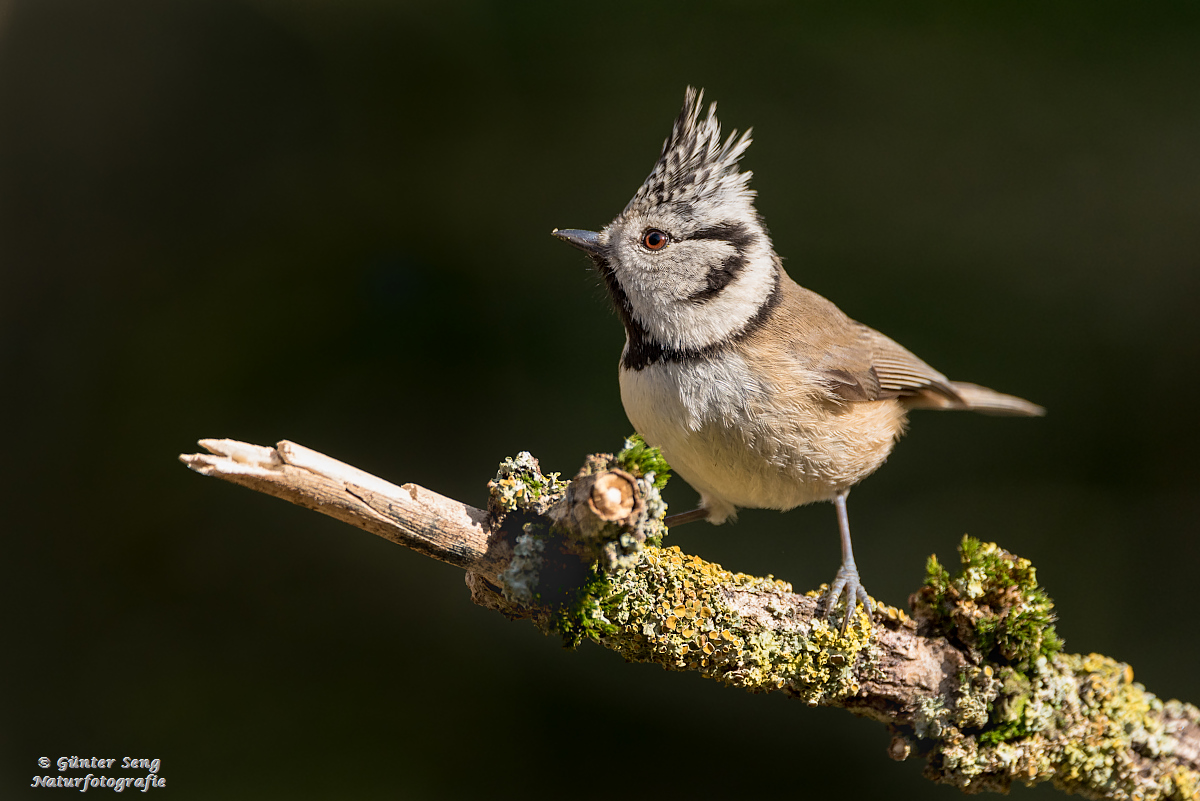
(747, 434)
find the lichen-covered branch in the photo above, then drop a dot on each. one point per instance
(974, 680)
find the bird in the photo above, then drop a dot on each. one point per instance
(759, 393)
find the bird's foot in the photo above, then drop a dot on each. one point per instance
(847, 584)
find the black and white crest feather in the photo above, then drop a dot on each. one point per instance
(695, 165)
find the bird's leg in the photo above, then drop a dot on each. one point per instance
(846, 582)
(685, 517)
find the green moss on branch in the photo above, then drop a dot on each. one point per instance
(993, 607)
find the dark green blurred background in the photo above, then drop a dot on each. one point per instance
(329, 222)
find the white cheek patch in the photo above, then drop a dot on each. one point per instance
(671, 319)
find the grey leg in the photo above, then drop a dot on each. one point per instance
(685, 517)
(846, 582)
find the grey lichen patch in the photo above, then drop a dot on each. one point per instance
(993, 607)
(684, 613)
(1118, 723)
(1078, 721)
(520, 579)
(978, 688)
(931, 719)
(655, 512)
(521, 494)
(520, 485)
(934, 719)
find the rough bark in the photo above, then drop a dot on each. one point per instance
(973, 681)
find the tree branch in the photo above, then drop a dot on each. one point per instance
(408, 515)
(973, 681)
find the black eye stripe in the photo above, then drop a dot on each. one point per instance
(737, 234)
(740, 237)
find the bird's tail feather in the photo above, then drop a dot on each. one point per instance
(975, 398)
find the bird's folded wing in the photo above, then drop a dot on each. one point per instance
(869, 366)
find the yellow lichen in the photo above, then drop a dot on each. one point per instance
(681, 613)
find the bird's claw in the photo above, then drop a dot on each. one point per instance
(847, 584)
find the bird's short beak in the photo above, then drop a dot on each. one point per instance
(587, 241)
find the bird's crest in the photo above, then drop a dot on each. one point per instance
(695, 164)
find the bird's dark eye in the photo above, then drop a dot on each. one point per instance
(655, 239)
